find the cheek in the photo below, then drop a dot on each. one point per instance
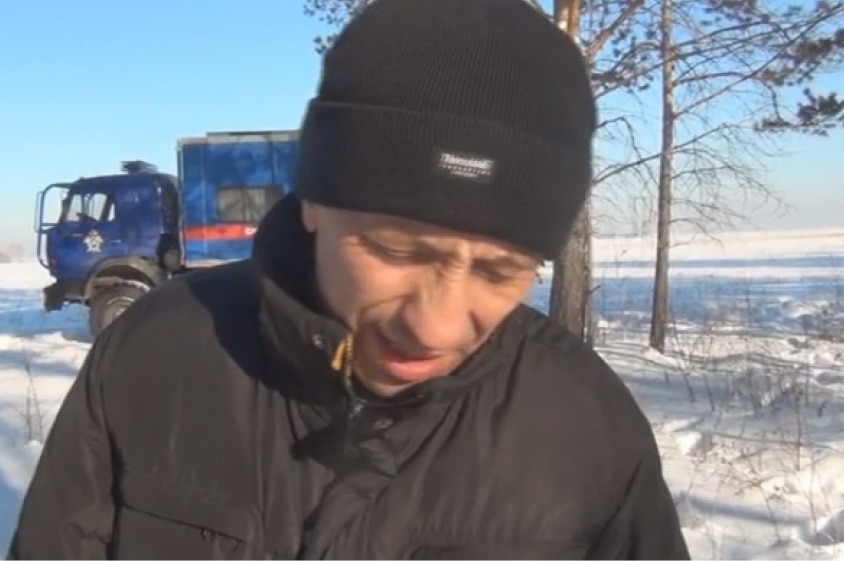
(359, 289)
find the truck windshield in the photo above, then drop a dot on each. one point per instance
(78, 207)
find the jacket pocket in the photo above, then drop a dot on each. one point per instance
(159, 519)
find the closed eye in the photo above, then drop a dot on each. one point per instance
(393, 255)
(496, 275)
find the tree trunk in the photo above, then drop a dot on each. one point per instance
(571, 283)
(661, 296)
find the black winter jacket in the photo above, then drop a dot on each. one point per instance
(208, 422)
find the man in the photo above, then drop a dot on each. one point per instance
(369, 384)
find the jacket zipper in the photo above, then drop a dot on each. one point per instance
(355, 407)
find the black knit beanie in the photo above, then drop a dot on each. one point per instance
(476, 115)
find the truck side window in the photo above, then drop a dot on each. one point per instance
(72, 208)
(101, 207)
(246, 204)
(94, 206)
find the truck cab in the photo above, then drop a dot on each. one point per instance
(118, 236)
(115, 237)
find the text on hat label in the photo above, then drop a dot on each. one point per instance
(464, 166)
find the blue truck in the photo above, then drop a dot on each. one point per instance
(118, 236)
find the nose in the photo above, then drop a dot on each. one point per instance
(438, 317)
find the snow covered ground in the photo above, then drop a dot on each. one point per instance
(747, 404)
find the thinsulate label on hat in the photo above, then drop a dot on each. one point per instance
(462, 165)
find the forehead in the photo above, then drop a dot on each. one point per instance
(368, 221)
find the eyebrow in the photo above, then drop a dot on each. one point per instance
(508, 261)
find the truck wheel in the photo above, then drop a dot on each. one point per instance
(108, 303)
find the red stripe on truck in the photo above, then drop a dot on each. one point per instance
(220, 232)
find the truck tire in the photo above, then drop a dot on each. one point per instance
(111, 301)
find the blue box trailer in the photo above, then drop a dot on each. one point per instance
(118, 236)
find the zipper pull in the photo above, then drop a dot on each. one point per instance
(356, 404)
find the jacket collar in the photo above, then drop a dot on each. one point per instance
(300, 334)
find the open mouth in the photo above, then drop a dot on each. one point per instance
(406, 366)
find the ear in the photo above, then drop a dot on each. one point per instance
(309, 216)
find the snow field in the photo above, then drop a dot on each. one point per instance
(747, 404)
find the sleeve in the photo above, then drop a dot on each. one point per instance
(67, 511)
(645, 525)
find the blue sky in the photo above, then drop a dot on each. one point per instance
(88, 83)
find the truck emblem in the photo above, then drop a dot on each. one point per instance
(93, 242)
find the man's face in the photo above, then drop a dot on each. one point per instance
(419, 298)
